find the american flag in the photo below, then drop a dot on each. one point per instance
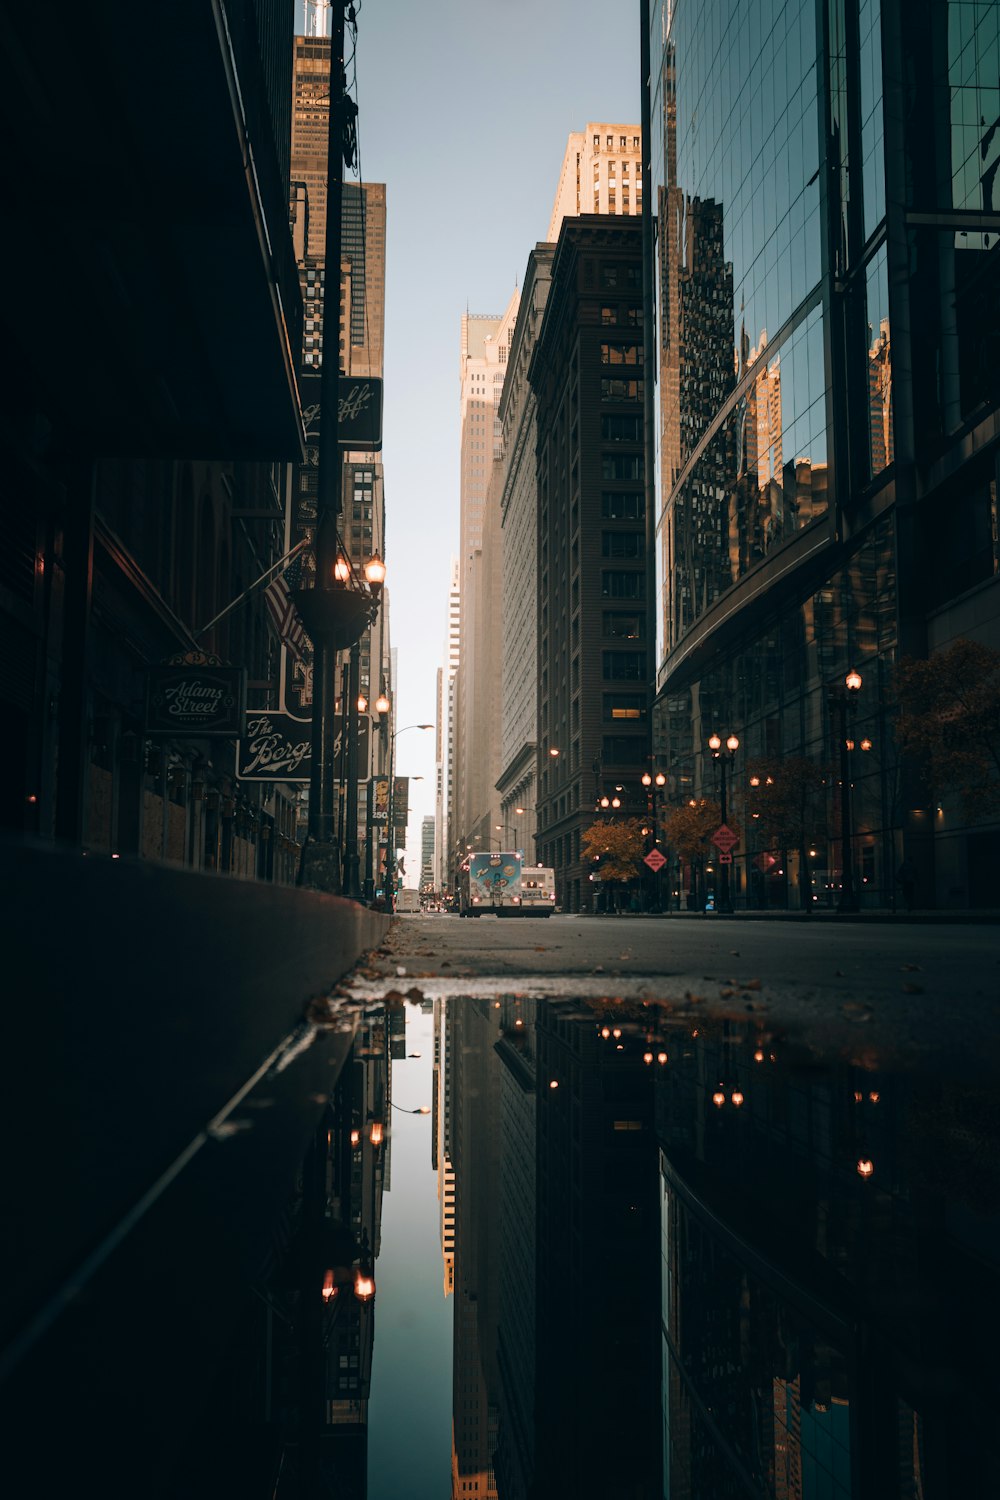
(282, 611)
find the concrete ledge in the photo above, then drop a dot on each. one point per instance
(137, 1000)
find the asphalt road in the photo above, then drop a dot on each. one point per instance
(921, 993)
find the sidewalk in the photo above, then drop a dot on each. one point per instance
(875, 915)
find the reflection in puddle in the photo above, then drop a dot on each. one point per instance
(682, 1259)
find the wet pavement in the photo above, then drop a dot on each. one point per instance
(582, 1207)
(726, 1206)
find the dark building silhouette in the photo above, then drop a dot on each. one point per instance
(150, 356)
(593, 655)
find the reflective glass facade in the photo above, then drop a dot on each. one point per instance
(826, 279)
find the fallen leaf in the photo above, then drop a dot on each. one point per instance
(541, 950)
(750, 984)
(913, 989)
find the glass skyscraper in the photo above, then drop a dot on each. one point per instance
(827, 324)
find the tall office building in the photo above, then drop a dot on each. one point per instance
(601, 174)
(827, 294)
(361, 342)
(517, 780)
(485, 346)
(587, 378)
(444, 851)
(427, 853)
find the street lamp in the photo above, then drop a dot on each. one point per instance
(653, 782)
(389, 884)
(725, 905)
(422, 1109)
(839, 698)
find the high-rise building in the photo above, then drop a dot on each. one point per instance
(444, 851)
(587, 378)
(517, 779)
(361, 343)
(485, 346)
(826, 272)
(601, 174)
(427, 853)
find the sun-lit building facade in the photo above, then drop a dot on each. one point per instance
(824, 267)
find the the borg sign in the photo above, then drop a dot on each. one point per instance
(360, 411)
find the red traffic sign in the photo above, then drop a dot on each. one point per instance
(724, 838)
(765, 861)
(654, 859)
(724, 858)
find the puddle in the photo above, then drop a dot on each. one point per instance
(635, 1252)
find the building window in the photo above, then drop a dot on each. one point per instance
(621, 354)
(622, 505)
(617, 584)
(609, 315)
(621, 466)
(622, 627)
(624, 429)
(624, 706)
(621, 390)
(623, 750)
(622, 544)
(628, 666)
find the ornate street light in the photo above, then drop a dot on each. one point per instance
(840, 698)
(725, 905)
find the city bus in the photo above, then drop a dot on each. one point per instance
(538, 891)
(490, 883)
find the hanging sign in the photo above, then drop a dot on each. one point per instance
(185, 698)
(378, 795)
(274, 747)
(359, 424)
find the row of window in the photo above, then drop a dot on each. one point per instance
(622, 143)
(612, 315)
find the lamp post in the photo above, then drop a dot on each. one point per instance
(653, 782)
(725, 905)
(840, 698)
(509, 827)
(389, 886)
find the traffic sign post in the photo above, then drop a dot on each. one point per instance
(725, 838)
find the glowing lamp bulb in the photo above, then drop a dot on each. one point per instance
(718, 1098)
(662, 1059)
(865, 1167)
(737, 1098)
(647, 1058)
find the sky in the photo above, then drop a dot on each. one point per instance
(409, 1412)
(464, 110)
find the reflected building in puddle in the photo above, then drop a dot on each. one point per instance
(699, 1261)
